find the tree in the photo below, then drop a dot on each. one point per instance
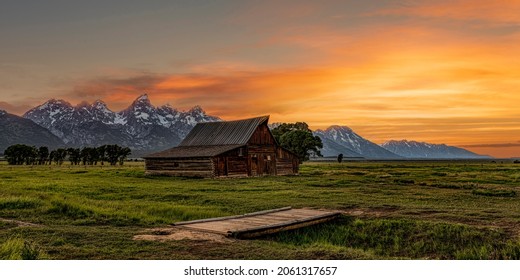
(112, 152)
(74, 155)
(52, 157)
(93, 156)
(123, 154)
(59, 156)
(340, 158)
(84, 155)
(43, 155)
(30, 154)
(13, 154)
(89, 155)
(102, 153)
(21, 154)
(298, 138)
(286, 127)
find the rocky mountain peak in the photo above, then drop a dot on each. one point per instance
(101, 106)
(197, 110)
(338, 138)
(141, 104)
(339, 128)
(83, 104)
(143, 99)
(55, 102)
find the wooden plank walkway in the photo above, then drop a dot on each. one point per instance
(260, 223)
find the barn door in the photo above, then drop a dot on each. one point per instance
(254, 165)
(269, 164)
(221, 167)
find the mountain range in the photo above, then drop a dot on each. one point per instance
(343, 140)
(142, 127)
(146, 128)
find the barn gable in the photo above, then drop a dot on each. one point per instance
(234, 148)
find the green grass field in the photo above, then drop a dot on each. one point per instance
(417, 210)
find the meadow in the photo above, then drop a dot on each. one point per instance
(392, 210)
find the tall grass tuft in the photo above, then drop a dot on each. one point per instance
(70, 209)
(19, 249)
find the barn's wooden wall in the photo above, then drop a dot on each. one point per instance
(286, 162)
(191, 167)
(232, 163)
(262, 136)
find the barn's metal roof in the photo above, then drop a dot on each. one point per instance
(194, 151)
(213, 138)
(223, 133)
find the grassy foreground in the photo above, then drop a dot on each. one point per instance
(439, 210)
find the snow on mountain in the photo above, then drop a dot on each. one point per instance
(141, 126)
(337, 137)
(53, 115)
(422, 150)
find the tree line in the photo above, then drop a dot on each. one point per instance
(20, 154)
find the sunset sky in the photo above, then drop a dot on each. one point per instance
(434, 71)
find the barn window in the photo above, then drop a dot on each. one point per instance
(268, 157)
(241, 152)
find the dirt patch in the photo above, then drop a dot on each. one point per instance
(19, 223)
(178, 233)
(372, 213)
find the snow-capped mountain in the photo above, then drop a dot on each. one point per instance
(17, 130)
(422, 150)
(340, 139)
(141, 126)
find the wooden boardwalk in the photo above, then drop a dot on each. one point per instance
(260, 223)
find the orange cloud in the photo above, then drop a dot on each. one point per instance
(14, 109)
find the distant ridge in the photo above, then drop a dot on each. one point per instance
(17, 130)
(423, 150)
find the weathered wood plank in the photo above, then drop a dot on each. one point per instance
(260, 223)
(255, 232)
(233, 217)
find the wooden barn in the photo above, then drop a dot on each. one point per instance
(219, 149)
